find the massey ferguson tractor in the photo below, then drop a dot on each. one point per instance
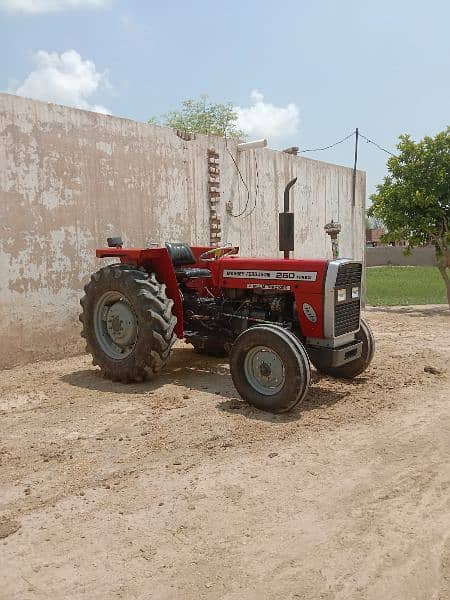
(272, 316)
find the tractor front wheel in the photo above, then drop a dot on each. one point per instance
(270, 368)
(127, 322)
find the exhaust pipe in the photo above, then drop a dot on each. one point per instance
(286, 223)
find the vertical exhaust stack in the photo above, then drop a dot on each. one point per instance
(286, 224)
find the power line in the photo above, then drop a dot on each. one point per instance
(377, 145)
(241, 213)
(344, 139)
(330, 146)
(243, 181)
(257, 185)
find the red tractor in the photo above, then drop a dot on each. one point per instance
(272, 316)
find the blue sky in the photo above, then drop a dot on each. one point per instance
(308, 72)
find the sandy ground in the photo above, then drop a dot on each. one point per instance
(176, 489)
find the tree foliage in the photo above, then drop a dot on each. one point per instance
(414, 199)
(203, 116)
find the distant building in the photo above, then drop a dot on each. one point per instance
(373, 238)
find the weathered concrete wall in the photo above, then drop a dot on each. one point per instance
(70, 178)
(392, 255)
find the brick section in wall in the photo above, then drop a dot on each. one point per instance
(215, 232)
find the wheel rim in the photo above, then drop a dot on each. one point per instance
(264, 370)
(115, 325)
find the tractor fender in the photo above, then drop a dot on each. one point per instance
(157, 261)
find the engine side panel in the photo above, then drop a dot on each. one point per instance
(305, 279)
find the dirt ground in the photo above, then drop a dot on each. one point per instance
(176, 489)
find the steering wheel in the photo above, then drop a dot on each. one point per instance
(218, 252)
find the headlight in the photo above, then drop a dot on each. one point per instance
(355, 292)
(341, 295)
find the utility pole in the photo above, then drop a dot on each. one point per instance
(354, 167)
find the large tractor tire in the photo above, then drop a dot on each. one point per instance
(127, 322)
(355, 367)
(270, 368)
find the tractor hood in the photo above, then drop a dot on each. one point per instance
(233, 271)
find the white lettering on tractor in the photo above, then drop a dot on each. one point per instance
(284, 275)
(267, 286)
(309, 312)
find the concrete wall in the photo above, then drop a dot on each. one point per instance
(390, 255)
(70, 178)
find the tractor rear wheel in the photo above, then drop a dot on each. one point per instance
(127, 322)
(355, 367)
(270, 368)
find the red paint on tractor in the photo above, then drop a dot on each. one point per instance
(253, 271)
(156, 260)
(304, 291)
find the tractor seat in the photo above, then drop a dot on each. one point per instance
(181, 256)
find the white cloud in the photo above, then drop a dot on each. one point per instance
(46, 6)
(263, 119)
(65, 79)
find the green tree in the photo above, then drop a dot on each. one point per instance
(203, 116)
(414, 199)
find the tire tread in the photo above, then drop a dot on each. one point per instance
(156, 322)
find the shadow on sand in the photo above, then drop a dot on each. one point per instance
(206, 374)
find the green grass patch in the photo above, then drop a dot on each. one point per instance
(390, 286)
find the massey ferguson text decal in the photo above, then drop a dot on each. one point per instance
(280, 275)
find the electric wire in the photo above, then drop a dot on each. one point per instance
(347, 137)
(344, 140)
(375, 144)
(247, 202)
(242, 179)
(256, 186)
(241, 213)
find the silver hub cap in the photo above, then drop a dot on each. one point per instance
(115, 325)
(264, 370)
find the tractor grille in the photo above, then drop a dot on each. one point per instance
(349, 274)
(347, 313)
(346, 317)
